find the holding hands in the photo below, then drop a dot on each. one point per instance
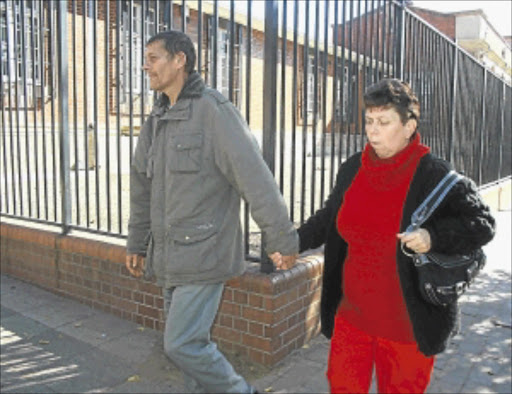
(283, 262)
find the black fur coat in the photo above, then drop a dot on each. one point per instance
(461, 223)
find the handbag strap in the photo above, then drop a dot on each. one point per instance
(429, 205)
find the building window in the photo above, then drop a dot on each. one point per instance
(342, 93)
(223, 59)
(132, 44)
(20, 37)
(311, 89)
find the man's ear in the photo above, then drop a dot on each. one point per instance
(181, 59)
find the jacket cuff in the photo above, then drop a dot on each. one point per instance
(434, 239)
(286, 243)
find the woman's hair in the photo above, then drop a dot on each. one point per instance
(175, 41)
(393, 93)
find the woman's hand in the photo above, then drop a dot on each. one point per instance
(418, 241)
(283, 262)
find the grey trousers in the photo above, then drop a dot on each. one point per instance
(190, 311)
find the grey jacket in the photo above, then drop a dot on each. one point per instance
(192, 164)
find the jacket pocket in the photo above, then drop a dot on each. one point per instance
(186, 152)
(193, 249)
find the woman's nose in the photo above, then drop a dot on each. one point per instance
(371, 128)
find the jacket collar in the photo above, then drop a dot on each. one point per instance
(193, 88)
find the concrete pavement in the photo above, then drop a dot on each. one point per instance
(53, 344)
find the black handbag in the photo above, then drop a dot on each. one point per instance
(442, 278)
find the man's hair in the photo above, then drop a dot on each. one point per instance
(175, 41)
(393, 93)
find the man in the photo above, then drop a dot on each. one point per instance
(194, 160)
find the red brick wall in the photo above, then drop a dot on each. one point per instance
(261, 317)
(445, 23)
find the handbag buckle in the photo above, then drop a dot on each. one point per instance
(460, 287)
(420, 259)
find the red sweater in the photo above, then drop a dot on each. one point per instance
(368, 220)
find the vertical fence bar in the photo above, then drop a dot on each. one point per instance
(171, 13)
(400, 46)
(324, 98)
(231, 48)
(269, 108)
(97, 190)
(315, 108)
(451, 130)
(214, 35)
(371, 44)
(283, 98)
(34, 27)
(43, 110)
(199, 36)
(502, 128)
(383, 39)
(342, 83)
(294, 109)
(248, 110)
(305, 50)
(335, 103)
(24, 73)
(5, 194)
(75, 116)
(158, 25)
(85, 12)
(183, 17)
(130, 76)
(377, 43)
(118, 116)
(17, 100)
(62, 30)
(482, 127)
(107, 114)
(364, 76)
(144, 21)
(357, 77)
(350, 101)
(54, 81)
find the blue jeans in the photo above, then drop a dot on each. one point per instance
(190, 311)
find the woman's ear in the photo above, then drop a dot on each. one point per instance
(411, 126)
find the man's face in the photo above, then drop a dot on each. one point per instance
(162, 69)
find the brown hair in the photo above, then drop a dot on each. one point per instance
(394, 93)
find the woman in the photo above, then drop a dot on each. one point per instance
(371, 307)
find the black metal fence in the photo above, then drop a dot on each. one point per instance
(74, 96)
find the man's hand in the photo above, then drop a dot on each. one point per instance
(418, 241)
(283, 262)
(135, 264)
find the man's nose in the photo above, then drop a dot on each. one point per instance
(145, 67)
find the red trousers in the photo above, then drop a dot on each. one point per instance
(400, 367)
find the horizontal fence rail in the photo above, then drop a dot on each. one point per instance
(74, 96)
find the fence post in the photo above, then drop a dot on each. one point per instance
(451, 134)
(269, 102)
(65, 187)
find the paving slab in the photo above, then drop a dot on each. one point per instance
(52, 344)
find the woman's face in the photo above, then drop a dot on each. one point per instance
(385, 131)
